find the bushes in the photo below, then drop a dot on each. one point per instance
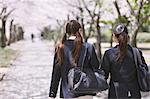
(106, 36)
(143, 37)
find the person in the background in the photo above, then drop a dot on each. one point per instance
(119, 63)
(42, 36)
(62, 63)
(32, 37)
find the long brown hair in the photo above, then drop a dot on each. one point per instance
(72, 28)
(121, 33)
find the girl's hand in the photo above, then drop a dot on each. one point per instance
(98, 94)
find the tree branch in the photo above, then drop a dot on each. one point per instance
(3, 10)
(139, 10)
(117, 8)
(10, 12)
(144, 18)
(131, 9)
(87, 8)
(72, 5)
(95, 8)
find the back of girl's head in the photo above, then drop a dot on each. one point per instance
(121, 33)
(72, 27)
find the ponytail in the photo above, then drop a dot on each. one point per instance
(123, 43)
(121, 33)
(74, 29)
(59, 49)
(77, 47)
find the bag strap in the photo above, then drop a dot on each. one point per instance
(86, 46)
(137, 57)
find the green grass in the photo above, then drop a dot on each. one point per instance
(7, 55)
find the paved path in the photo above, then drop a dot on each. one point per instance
(29, 75)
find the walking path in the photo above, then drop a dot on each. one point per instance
(29, 75)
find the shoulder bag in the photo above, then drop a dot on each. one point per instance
(86, 80)
(143, 75)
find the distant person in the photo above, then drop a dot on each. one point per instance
(42, 36)
(119, 63)
(32, 37)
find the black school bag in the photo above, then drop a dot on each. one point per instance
(86, 80)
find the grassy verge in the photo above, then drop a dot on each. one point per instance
(7, 55)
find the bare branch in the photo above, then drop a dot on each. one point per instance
(139, 10)
(3, 10)
(6, 16)
(95, 8)
(70, 4)
(117, 8)
(144, 18)
(131, 9)
(52, 18)
(90, 13)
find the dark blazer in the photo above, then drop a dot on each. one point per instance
(123, 73)
(60, 72)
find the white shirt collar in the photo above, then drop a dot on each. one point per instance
(72, 37)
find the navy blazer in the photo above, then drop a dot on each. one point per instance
(60, 71)
(124, 73)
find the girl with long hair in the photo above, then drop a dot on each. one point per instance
(73, 41)
(119, 63)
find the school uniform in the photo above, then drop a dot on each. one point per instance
(60, 72)
(123, 76)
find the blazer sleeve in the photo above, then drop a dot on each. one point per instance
(93, 58)
(143, 60)
(56, 75)
(105, 64)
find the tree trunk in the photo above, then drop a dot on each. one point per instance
(82, 22)
(98, 38)
(90, 30)
(14, 33)
(22, 35)
(83, 30)
(133, 38)
(111, 40)
(3, 35)
(10, 31)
